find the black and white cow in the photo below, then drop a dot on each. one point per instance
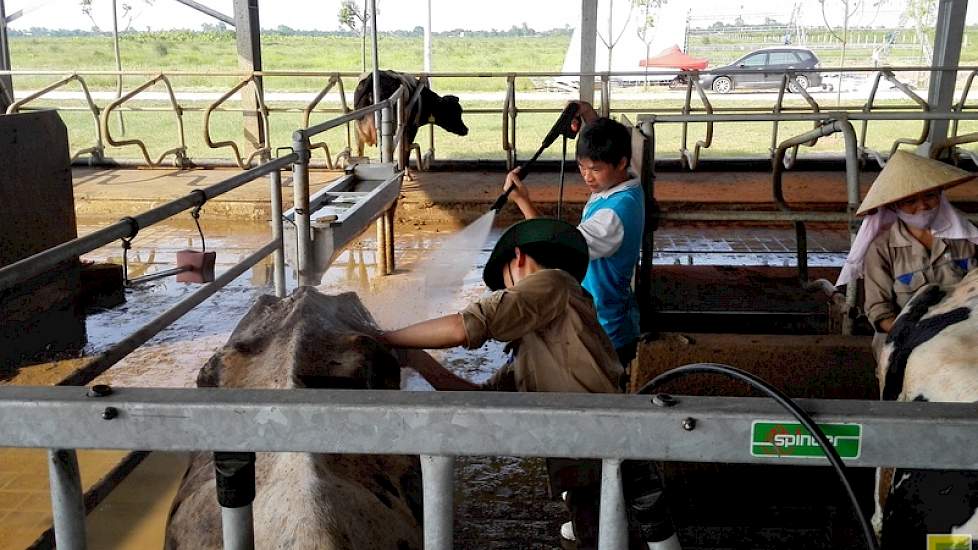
(430, 108)
(931, 354)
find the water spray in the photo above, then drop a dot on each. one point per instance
(562, 127)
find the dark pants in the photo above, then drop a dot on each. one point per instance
(645, 503)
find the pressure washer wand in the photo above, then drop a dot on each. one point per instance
(562, 127)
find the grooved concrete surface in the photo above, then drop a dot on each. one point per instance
(457, 198)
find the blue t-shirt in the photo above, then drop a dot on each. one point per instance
(609, 279)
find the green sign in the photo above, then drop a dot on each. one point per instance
(948, 542)
(791, 439)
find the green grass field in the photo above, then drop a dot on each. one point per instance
(215, 52)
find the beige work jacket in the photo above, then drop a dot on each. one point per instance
(897, 265)
(559, 344)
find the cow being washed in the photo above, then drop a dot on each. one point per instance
(445, 112)
(931, 354)
(307, 501)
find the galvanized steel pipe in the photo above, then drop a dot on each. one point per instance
(278, 273)
(438, 479)
(612, 524)
(300, 205)
(35, 265)
(67, 500)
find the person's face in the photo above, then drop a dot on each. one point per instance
(599, 175)
(919, 203)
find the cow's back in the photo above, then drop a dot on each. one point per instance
(303, 500)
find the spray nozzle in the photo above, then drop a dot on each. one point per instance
(562, 127)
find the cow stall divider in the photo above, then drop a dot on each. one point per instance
(444, 425)
(509, 109)
(63, 462)
(827, 123)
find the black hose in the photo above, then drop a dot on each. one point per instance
(790, 406)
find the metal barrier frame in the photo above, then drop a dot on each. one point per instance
(826, 124)
(97, 150)
(509, 109)
(179, 152)
(264, 148)
(66, 489)
(440, 426)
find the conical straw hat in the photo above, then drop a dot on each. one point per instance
(905, 175)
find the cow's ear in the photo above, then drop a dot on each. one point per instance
(452, 98)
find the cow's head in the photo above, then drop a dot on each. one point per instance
(447, 114)
(307, 340)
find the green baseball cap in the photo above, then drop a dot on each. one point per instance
(562, 236)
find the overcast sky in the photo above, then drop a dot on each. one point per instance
(446, 14)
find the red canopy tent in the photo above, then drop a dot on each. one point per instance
(674, 58)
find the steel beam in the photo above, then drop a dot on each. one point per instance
(208, 11)
(6, 81)
(248, 35)
(947, 53)
(907, 434)
(589, 46)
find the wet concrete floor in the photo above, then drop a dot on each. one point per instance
(501, 502)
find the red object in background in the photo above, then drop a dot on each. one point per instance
(674, 58)
(201, 265)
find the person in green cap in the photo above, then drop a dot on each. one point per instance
(538, 306)
(555, 345)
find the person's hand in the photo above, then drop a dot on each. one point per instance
(585, 115)
(887, 324)
(519, 193)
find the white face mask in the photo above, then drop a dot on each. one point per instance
(920, 220)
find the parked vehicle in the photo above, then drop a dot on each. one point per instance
(765, 69)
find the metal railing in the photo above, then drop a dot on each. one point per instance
(444, 425)
(826, 124)
(509, 107)
(65, 483)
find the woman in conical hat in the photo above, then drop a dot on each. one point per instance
(911, 236)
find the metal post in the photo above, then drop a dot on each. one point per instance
(118, 62)
(589, 46)
(643, 279)
(300, 189)
(6, 82)
(278, 274)
(427, 42)
(438, 477)
(235, 479)
(389, 250)
(852, 204)
(376, 74)
(381, 253)
(387, 134)
(67, 499)
(612, 525)
(248, 38)
(947, 53)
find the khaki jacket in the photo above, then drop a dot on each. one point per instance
(897, 265)
(551, 322)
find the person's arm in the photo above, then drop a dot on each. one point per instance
(520, 195)
(431, 370)
(878, 287)
(438, 333)
(442, 332)
(603, 233)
